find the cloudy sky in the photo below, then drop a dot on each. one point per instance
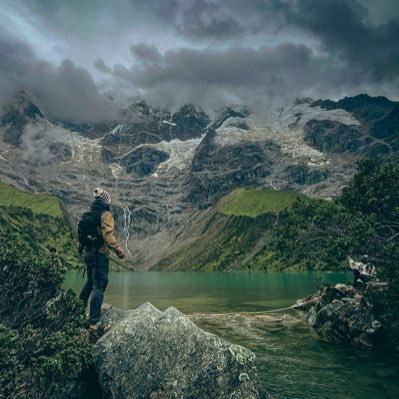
(73, 56)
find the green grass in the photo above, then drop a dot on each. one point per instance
(254, 202)
(39, 222)
(44, 204)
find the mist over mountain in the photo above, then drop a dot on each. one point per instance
(80, 61)
(166, 169)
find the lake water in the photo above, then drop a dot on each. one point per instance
(292, 361)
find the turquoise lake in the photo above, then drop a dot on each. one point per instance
(292, 361)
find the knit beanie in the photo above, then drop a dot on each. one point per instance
(102, 195)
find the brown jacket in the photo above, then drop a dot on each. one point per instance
(107, 232)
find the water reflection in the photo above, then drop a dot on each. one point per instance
(207, 292)
(291, 359)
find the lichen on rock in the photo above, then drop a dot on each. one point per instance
(164, 355)
(342, 314)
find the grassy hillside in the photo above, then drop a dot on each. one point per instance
(39, 223)
(255, 202)
(234, 235)
(43, 204)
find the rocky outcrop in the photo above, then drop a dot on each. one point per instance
(332, 136)
(303, 174)
(144, 125)
(230, 112)
(16, 116)
(342, 314)
(189, 122)
(364, 107)
(61, 151)
(127, 137)
(217, 170)
(164, 355)
(143, 160)
(377, 136)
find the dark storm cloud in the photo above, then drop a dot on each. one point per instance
(100, 65)
(69, 92)
(222, 20)
(205, 20)
(229, 68)
(344, 29)
(211, 52)
(213, 78)
(345, 32)
(62, 92)
(89, 17)
(145, 52)
(345, 49)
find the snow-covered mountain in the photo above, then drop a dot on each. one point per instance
(163, 169)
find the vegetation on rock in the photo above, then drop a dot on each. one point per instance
(363, 220)
(42, 350)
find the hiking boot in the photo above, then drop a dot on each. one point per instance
(100, 328)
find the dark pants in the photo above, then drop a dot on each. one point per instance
(97, 280)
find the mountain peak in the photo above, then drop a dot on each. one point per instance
(193, 112)
(16, 115)
(21, 104)
(231, 111)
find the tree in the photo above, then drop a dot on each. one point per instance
(374, 193)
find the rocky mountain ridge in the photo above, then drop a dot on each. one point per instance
(165, 169)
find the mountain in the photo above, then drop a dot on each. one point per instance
(167, 170)
(377, 134)
(231, 235)
(16, 116)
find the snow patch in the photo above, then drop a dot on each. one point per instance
(180, 153)
(169, 123)
(117, 129)
(285, 127)
(115, 170)
(84, 150)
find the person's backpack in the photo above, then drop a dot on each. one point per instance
(89, 230)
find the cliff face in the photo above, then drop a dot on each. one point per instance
(16, 116)
(375, 137)
(163, 169)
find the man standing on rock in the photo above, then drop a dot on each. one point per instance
(96, 239)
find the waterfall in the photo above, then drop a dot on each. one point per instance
(126, 224)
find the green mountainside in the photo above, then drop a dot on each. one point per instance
(255, 202)
(39, 222)
(234, 235)
(266, 230)
(39, 204)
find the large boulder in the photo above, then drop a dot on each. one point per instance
(342, 314)
(149, 354)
